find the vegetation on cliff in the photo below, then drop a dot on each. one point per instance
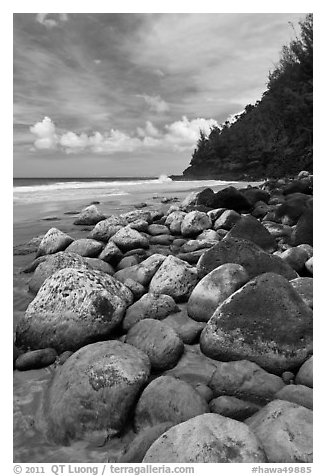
(274, 136)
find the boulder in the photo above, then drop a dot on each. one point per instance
(127, 239)
(85, 247)
(204, 197)
(175, 278)
(244, 380)
(139, 225)
(149, 306)
(92, 394)
(216, 213)
(158, 340)
(73, 308)
(232, 199)
(143, 272)
(52, 242)
(107, 228)
(247, 254)
(255, 194)
(99, 265)
(176, 215)
(288, 377)
(277, 230)
(164, 240)
(214, 288)
(195, 245)
(137, 289)
(191, 258)
(291, 210)
(309, 265)
(265, 321)
(299, 394)
(298, 186)
(232, 407)
(261, 209)
(36, 359)
(305, 374)
(187, 329)
(285, 432)
(295, 257)
(308, 249)
(111, 253)
(249, 228)
(89, 216)
(227, 220)
(168, 399)
(208, 438)
(304, 287)
(155, 230)
(135, 215)
(127, 262)
(208, 235)
(194, 223)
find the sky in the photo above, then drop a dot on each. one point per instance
(109, 94)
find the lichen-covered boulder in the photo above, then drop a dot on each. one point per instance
(208, 438)
(194, 223)
(285, 432)
(85, 247)
(107, 228)
(168, 399)
(73, 308)
(92, 394)
(159, 341)
(265, 321)
(214, 288)
(52, 242)
(175, 278)
(89, 216)
(127, 239)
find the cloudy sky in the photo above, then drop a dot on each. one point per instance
(127, 94)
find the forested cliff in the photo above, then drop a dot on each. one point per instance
(273, 137)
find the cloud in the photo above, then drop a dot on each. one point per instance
(51, 22)
(156, 103)
(179, 135)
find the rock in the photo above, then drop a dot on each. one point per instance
(158, 340)
(304, 287)
(99, 265)
(194, 223)
(195, 245)
(232, 407)
(285, 432)
(208, 438)
(164, 240)
(265, 321)
(216, 213)
(303, 174)
(36, 359)
(52, 263)
(140, 205)
(53, 241)
(227, 220)
(305, 374)
(175, 278)
(204, 197)
(295, 257)
(204, 391)
(149, 306)
(179, 242)
(16, 353)
(309, 265)
(303, 232)
(254, 195)
(187, 329)
(29, 247)
(136, 288)
(89, 216)
(249, 228)
(51, 218)
(298, 186)
(277, 230)
(142, 273)
(208, 235)
(156, 215)
(111, 253)
(168, 399)
(64, 357)
(73, 308)
(308, 249)
(142, 442)
(139, 225)
(127, 239)
(244, 380)
(85, 247)
(135, 215)
(261, 209)
(127, 262)
(107, 228)
(142, 254)
(299, 394)
(191, 258)
(176, 215)
(291, 210)
(288, 377)
(247, 254)
(92, 394)
(232, 199)
(155, 230)
(214, 288)
(175, 226)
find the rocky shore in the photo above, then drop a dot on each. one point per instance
(189, 327)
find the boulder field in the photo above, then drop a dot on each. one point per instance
(190, 327)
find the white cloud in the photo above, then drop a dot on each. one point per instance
(51, 22)
(180, 135)
(155, 103)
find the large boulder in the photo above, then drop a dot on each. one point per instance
(265, 321)
(194, 223)
(127, 239)
(92, 394)
(303, 185)
(73, 308)
(304, 287)
(244, 380)
(293, 207)
(247, 254)
(227, 220)
(168, 399)
(305, 374)
(107, 228)
(135, 215)
(296, 257)
(232, 199)
(85, 247)
(143, 272)
(35, 359)
(175, 278)
(214, 288)
(249, 228)
(89, 216)
(111, 253)
(255, 194)
(285, 432)
(208, 438)
(205, 197)
(161, 343)
(52, 242)
(149, 306)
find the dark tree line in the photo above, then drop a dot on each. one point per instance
(274, 137)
